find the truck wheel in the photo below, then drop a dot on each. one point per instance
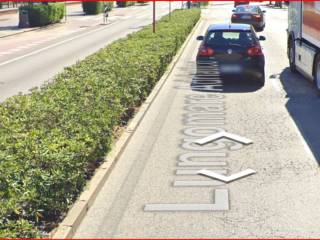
(317, 73)
(292, 54)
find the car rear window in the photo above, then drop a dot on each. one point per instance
(247, 9)
(224, 38)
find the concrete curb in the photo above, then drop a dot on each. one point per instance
(77, 212)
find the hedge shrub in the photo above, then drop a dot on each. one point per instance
(95, 7)
(125, 3)
(204, 3)
(44, 14)
(52, 139)
(92, 7)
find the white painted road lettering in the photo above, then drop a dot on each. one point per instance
(223, 134)
(227, 179)
(205, 114)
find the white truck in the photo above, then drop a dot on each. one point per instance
(304, 39)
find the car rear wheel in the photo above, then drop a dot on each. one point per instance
(317, 73)
(292, 54)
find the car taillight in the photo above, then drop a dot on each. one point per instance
(234, 16)
(257, 17)
(205, 51)
(255, 51)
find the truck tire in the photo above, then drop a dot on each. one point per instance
(291, 55)
(317, 72)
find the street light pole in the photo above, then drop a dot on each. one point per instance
(169, 10)
(154, 17)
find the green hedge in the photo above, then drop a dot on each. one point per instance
(52, 139)
(95, 7)
(125, 3)
(92, 7)
(204, 3)
(44, 14)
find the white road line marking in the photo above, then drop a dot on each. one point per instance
(54, 45)
(197, 183)
(195, 171)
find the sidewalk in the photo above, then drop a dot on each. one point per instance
(9, 20)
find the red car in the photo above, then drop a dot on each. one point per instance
(249, 14)
(236, 3)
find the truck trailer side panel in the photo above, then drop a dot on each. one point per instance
(304, 39)
(311, 22)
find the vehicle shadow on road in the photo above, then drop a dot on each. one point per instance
(238, 85)
(226, 85)
(304, 107)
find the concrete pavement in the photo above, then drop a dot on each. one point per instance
(154, 190)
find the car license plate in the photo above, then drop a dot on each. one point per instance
(230, 69)
(246, 17)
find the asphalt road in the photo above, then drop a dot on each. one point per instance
(25, 68)
(154, 191)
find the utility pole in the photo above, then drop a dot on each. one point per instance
(154, 17)
(169, 10)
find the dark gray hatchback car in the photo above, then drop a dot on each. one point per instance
(234, 48)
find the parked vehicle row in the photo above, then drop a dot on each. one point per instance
(229, 44)
(235, 47)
